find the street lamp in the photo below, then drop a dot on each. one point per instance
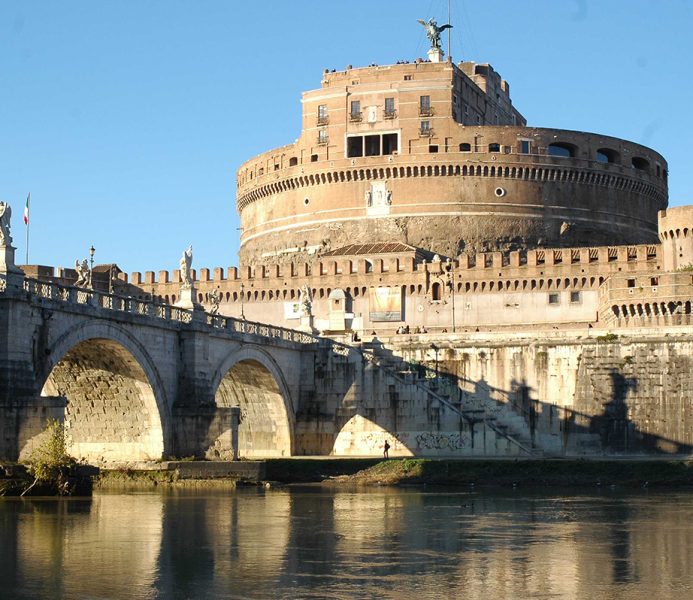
(450, 282)
(242, 288)
(91, 265)
(435, 349)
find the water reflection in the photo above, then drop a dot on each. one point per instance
(310, 542)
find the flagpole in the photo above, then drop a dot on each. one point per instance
(27, 220)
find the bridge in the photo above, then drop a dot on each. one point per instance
(137, 380)
(140, 380)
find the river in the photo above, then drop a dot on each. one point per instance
(312, 542)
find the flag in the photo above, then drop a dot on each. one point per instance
(26, 209)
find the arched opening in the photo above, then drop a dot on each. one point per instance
(111, 412)
(562, 150)
(606, 155)
(264, 429)
(640, 164)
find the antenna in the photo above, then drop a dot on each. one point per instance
(449, 30)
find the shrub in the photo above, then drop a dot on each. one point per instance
(49, 463)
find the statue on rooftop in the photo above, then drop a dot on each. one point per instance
(5, 216)
(433, 31)
(186, 268)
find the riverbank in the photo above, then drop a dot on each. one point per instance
(630, 473)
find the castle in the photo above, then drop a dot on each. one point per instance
(537, 274)
(417, 196)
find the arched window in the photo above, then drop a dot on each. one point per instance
(562, 150)
(436, 292)
(465, 147)
(606, 155)
(640, 164)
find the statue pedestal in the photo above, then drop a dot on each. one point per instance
(306, 324)
(7, 265)
(435, 55)
(188, 299)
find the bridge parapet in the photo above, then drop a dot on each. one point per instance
(147, 308)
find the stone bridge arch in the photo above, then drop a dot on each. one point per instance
(251, 379)
(116, 407)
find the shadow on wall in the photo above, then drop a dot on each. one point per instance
(609, 429)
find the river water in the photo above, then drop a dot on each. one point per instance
(312, 542)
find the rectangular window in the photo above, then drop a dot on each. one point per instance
(575, 297)
(425, 106)
(390, 143)
(408, 77)
(524, 146)
(322, 136)
(354, 146)
(389, 108)
(425, 128)
(433, 149)
(654, 280)
(322, 114)
(372, 145)
(630, 283)
(554, 298)
(355, 113)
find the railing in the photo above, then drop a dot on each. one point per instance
(356, 117)
(425, 132)
(323, 120)
(390, 114)
(148, 308)
(323, 140)
(425, 111)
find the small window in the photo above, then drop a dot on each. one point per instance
(525, 146)
(554, 298)
(408, 77)
(322, 136)
(425, 106)
(322, 114)
(389, 108)
(369, 266)
(575, 297)
(436, 292)
(605, 155)
(425, 127)
(640, 164)
(630, 283)
(313, 158)
(465, 147)
(494, 147)
(355, 112)
(293, 161)
(654, 281)
(433, 149)
(561, 150)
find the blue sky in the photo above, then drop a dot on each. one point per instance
(128, 119)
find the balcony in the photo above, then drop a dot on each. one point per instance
(425, 111)
(390, 114)
(324, 120)
(425, 132)
(356, 117)
(323, 140)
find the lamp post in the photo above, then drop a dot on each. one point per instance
(242, 288)
(435, 349)
(450, 282)
(91, 265)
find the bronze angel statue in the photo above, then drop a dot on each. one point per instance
(433, 31)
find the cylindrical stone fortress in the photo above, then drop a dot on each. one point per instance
(434, 155)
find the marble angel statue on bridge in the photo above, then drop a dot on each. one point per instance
(186, 268)
(5, 216)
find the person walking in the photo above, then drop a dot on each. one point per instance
(386, 450)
